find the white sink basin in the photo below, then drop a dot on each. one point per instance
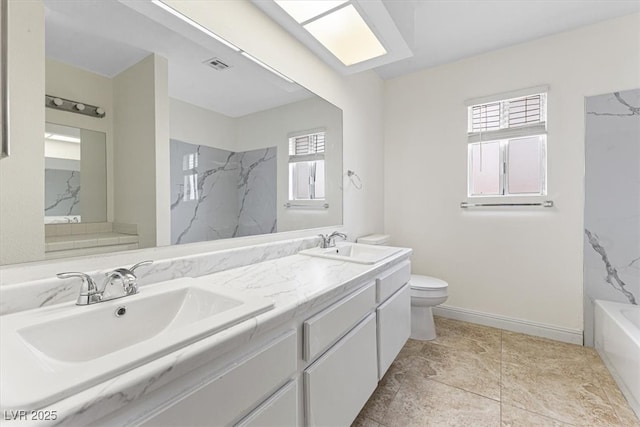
(50, 353)
(353, 252)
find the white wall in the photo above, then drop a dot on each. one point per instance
(196, 125)
(67, 81)
(524, 264)
(359, 96)
(140, 142)
(22, 174)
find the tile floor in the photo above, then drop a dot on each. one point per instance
(473, 375)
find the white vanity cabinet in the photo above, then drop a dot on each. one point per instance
(393, 313)
(306, 371)
(394, 327)
(279, 410)
(239, 389)
(341, 381)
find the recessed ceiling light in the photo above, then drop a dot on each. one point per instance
(302, 11)
(347, 36)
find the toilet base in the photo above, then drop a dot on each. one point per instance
(422, 326)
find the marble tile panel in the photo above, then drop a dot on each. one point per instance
(423, 402)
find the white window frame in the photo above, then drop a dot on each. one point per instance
(504, 134)
(293, 158)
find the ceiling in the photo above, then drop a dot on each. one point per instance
(107, 37)
(443, 31)
(420, 34)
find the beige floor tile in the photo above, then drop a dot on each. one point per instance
(466, 336)
(475, 372)
(529, 350)
(573, 400)
(516, 417)
(377, 405)
(457, 380)
(363, 421)
(423, 402)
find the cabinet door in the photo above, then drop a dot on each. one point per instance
(280, 410)
(392, 280)
(340, 382)
(232, 393)
(394, 327)
(326, 327)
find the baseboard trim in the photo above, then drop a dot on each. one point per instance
(572, 336)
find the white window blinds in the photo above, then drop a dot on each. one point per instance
(507, 118)
(305, 148)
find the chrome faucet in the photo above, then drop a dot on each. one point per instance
(89, 292)
(329, 240)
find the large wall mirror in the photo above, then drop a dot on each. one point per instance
(198, 142)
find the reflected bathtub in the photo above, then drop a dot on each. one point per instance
(617, 340)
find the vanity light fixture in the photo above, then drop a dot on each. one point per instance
(338, 26)
(73, 106)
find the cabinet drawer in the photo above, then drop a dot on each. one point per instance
(280, 410)
(235, 391)
(394, 327)
(340, 382)
(392, 280)
(326, 327)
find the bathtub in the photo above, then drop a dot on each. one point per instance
(617, 340)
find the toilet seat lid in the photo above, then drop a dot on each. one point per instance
(419, 281)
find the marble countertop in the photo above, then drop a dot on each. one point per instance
(297, 284)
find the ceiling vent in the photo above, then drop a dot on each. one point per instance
(216, 64)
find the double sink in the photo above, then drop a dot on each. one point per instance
(50, 353)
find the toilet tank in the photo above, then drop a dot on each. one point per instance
(374, 239)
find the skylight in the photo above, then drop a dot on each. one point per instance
(338, 26)
(303, 11)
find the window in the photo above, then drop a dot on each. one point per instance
(306, 167)
(507, 146)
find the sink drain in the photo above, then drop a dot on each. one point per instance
(121, 311)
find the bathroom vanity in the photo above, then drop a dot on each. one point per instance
(313, 359)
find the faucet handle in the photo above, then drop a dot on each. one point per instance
(128, 277)
(88, 290)
(141, 264)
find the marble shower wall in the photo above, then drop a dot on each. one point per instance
(62, 192)
(217, 194)
(612, 202)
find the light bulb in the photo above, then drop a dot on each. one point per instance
(80, 106)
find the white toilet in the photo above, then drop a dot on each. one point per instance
(426, 292)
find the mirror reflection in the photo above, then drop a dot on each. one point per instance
(75, 175)
(198, 141)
